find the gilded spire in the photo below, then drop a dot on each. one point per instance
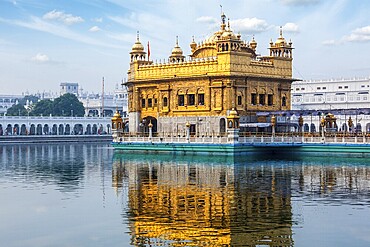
(281, 31)
(223, 21)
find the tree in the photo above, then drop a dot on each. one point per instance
(43, 107)
(68, 105)
(17, 110)
(30, 98)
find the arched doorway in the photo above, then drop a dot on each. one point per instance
(95, 129)
(45, 130)
(67, 130)
(78, 129)
(145, 122)
(61, 129)
(16, 129)
(9, 130)
(23, 130)
(32, 129)
(54, 130)
(88, 130)
(222, 126)
(39, 129)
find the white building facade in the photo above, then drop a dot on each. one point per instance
(331, 94)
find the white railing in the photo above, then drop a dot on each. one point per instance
(258, 138)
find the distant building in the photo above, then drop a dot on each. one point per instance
(7, 101)
(334, 94)
(93, 102)
(69, 87)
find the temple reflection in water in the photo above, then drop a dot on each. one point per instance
(205, 201)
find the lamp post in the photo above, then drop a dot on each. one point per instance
(322, 124)
(300, 123)
(273, 123)
(187, 125)
(150, 125)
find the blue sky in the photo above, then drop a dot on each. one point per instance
(44, 43)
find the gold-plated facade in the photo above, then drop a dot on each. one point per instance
(223, 72)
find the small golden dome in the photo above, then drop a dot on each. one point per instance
(177, 51)
(116, 116)
(280, 40)
(233, 112)
(137, 47)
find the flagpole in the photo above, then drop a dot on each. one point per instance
(148, 51)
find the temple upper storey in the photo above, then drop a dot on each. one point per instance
(224, 52)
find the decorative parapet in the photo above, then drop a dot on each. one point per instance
(173, 69)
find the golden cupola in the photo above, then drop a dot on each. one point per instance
(177, 54)
(137, 52)
(281, 48)
(253, 44)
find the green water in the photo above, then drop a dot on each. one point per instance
(91, 195)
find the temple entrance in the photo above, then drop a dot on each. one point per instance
(222, 126)
(145, 122)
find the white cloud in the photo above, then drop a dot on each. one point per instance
(58, 30)
(206, 19)
(250, 25)
(299, 2)
(100, 20)
(40, 58)
(329, 42)
(359, 35)
(291, 28)
(94, 29)
(67, 19)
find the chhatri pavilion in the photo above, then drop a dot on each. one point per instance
(222, 75)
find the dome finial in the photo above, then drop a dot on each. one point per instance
(281, 31)
(223, 19)
(228, 23)
(177, 40)
(137, 36)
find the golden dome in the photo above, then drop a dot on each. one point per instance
(177, 51)
(233, 114)
(137, 47)
(116, 116)
(280, 40)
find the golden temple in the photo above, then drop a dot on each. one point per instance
(222, 73)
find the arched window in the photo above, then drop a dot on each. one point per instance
(165, 103)
(283, 101)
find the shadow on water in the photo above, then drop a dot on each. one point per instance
(200, 200)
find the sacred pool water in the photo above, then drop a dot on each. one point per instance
(91, 195)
